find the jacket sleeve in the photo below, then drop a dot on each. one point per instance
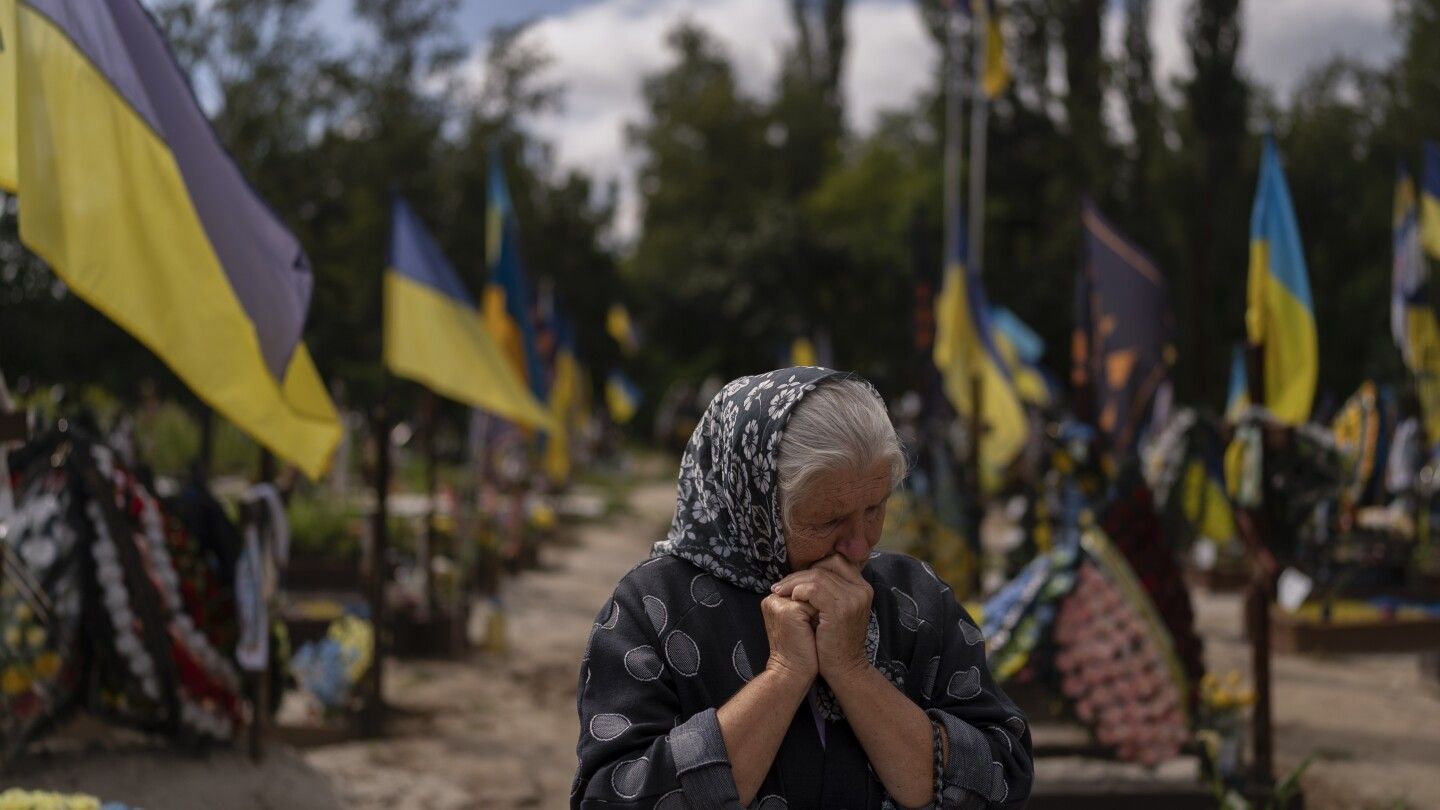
(635, 749)
(990, 761)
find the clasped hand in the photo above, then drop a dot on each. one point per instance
(817, 618)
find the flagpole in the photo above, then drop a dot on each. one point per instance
(429, 411)
(954, 134)
(979, 117)
(979, 110)
(1258, 594)
(373, 717)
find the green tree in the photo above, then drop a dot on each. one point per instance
(1209, 296)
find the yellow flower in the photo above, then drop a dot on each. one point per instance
(35, 636)
(14, 681)
(47, 665)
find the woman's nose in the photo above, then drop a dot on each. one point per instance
(853, 545)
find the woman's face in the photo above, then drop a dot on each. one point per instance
(842, 513)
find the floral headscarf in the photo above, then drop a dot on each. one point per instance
(727, 510)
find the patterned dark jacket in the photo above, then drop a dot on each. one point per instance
(684, 632)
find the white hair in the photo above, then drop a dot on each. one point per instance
(840, 426)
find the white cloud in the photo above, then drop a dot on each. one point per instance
(602, 51)
(1282, 39)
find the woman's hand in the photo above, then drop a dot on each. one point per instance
(790, 627)
(835, 589)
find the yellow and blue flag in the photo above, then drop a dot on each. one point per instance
(965, 349)
(564, 390)
(622, 328)
(1021, 349)
(1430, 201)
(622, 397)
(1413, 320)
(986, 15)
(997, 71)
(1238, 397)
(1122, 347)
(802, 352)
(129, 196)
(434, 334)
(508, 305)
(1280, 316)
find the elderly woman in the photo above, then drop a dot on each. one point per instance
(766, 655)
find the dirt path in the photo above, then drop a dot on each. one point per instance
(499, 730)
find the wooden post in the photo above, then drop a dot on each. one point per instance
(255, 513)
(1258, 597)
(373, 718)
(429, 415)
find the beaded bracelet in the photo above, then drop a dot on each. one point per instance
(939, 760)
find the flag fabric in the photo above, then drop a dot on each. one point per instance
(508, 313)
(986, 14)
(622, 328)
(434, 334)
(965, 348)
(1122, 348)
(9, 130)
(621, 397)
(1280, 315)
(1021, 349)
(563, 392)
(997, 71)
(1430, 201)
(129, 196)
(1413, 320)
(802, 352)
(1238, 397)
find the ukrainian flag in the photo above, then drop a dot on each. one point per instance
(1238, 399)
(1280, 316)
(964, 347)
(1430, 201)
(433, 331)
(1204, 502)
(997, 71)
(621, 397)
(564, 385)
(802, 352)
(622, 328)
(1412, 317)
(1021, 348)
(985, 16)
(507, 295)
(128, 195)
